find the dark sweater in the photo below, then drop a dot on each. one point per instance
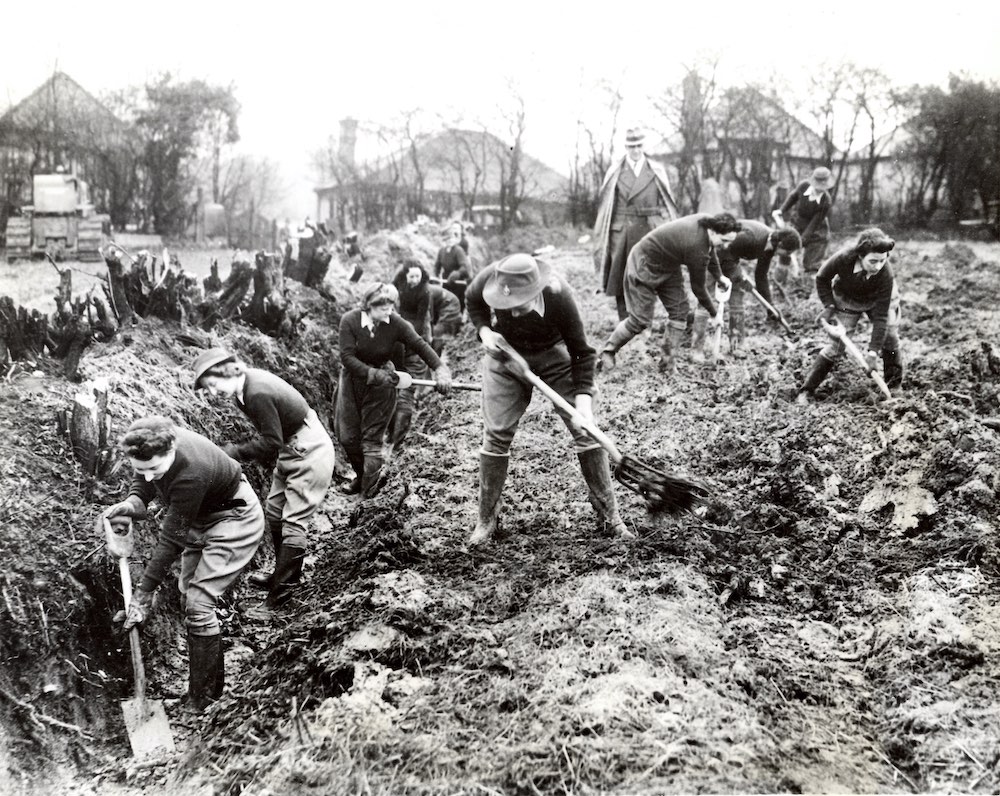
(675, 244)
(837, 275)
(808, 216)
(452, 264)
(200, 480)
(276, 410)
(532, 333)
(414, 302)
(750, 244)
(363, 350)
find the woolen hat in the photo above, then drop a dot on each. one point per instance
(634, 137)
(822, 174)
(207, 360)
(516, 280)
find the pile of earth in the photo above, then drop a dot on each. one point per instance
(829, 622)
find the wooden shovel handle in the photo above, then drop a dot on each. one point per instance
(598, 436)
(838, 331)
(138, 670)
(454, 385)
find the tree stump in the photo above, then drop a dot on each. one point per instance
(89, 427)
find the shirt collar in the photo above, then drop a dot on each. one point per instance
(812, 193)
(637, 165)
(537, 306)
(368, 323)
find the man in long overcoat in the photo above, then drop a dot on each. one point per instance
(635, 198)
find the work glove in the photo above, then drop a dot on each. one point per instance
(384, 376)
(442, 378)
(724, 282)
(491, 342)
(715, 321)
(403, 380)
(829, 315)
(138, 610)
(584, 405)
(871, 360)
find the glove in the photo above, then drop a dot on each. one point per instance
(137, 612)
(871, 360)
(585, 406)
(491, 342)
(829, 315)
(403, 380)
(384, 376)
(231, 450)
(715, 321)
(725, 282)
(442, 377)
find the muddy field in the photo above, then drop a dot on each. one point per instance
(829, 623)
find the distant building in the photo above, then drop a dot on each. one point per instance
(450, 174)
(61, 126)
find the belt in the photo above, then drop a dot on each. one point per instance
(645, 212)
(227, 505)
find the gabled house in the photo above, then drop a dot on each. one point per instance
(61, 126)
(446, 174)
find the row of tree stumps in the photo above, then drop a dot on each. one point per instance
(147, 287)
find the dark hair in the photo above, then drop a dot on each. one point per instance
(151, 436)
(873, 241)
(787, 239)
(720, 223)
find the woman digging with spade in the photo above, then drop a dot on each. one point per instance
(536, 315)
(213, 523)
(370, 336)
(856, 281)
(289, 429)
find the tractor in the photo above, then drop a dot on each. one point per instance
(60, 222)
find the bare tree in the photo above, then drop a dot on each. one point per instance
(592, 155)
(510, 161)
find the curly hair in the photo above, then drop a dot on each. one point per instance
(148, 437)
(786, 239)
(378, 292)
(873, 241)
(720, 223)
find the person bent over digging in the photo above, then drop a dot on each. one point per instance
(538, 317)
(288, 429)
(655, 270)
(757, 243)
(366, 392)
(856, 281)
(213, 523)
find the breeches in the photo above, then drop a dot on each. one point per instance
(641, 295)
(216, 550)
(300, 480)
(505, 398)
(363, 414)
(849, 314)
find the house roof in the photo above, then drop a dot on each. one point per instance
(62, 110)
(449, 160)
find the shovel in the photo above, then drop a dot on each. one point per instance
(662, 491)
(454, 385)
(749, 286)
(837, 331)
(148, 730)
(722, 296)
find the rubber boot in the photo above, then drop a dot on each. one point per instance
(204, 663)
(220, 674)
(374, 475)
(400, 427)
(357, 460)
(597, 474)
(737, 331)
(892, 369)
(820, 369)
(670, 348)
(263, 580)
(618, 338)
(620, 306)
(492, 477)
(698, 338)
(287, 575)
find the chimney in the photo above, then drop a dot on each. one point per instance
(348, 140)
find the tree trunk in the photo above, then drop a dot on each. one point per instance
(89, 426)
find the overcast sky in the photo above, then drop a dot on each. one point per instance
(299, 67)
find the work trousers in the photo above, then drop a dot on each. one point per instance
(506, 398)
(849, 313)
(362, 415)
(217, 548)
(300, 480)
(668, 285)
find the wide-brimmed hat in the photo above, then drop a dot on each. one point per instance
(207, 360)
(634, 137)
(516, 280)
(821, 174)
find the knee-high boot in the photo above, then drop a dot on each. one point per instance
(205, 665)
(374, 475)
(357, 460)
(698, 338)
(263, 580)
(287, 575)
(892, 368)
(670, 348)
(821, 367)
(492, 477)
(619, 337)
(597, 473)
